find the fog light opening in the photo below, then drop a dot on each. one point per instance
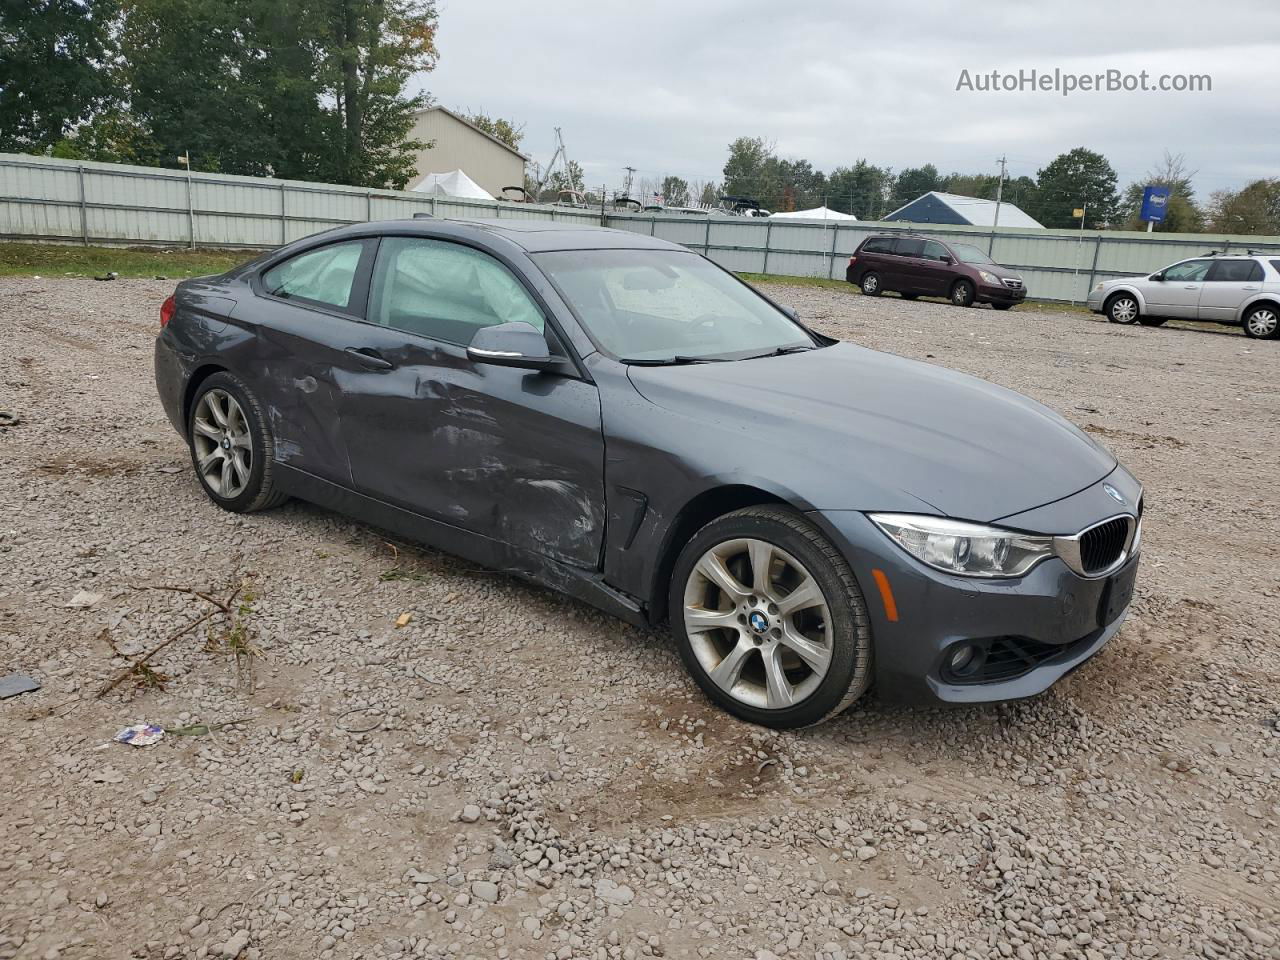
(965, 659)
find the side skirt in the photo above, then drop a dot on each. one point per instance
(585, 585)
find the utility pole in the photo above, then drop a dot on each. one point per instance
(627, 189)
(999, 191)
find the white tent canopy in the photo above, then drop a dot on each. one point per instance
(455, 183)
(817, 213)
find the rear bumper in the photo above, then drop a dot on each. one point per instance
(171, 382)
(1041, 626)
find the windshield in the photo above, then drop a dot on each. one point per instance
(668, 306)
(968, 253)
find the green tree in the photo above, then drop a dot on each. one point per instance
(568, 177)
(912, 183)
(195, 85)
(861, 190)
(1078, 178)
(54, 59)
(1253, 210)
(675, 191)
(504, 130)
(1181, 213)
(980, 185)
(371, 49)
(744, 170)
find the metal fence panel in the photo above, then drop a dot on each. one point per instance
(42, 198)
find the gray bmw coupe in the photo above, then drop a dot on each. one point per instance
(619, 418)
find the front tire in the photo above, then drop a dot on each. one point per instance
(1122, 308)
(962, 293)
(231, 446)
(870, 284)
(769, 619)
(1261, 323)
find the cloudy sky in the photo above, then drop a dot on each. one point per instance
(664, 86)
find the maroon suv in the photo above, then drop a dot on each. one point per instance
(923, 266)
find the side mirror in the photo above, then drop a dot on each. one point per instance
(791, 312)
(515, 344)
(946, 259)
(1157, 277)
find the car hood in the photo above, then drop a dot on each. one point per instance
(845, 427)
(1002, 272)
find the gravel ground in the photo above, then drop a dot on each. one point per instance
(510, 774)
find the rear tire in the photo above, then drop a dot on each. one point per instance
(751, 652)
(232, 449)
(1261, 322)
(870, 284)
(1122, 308)
(962, 293)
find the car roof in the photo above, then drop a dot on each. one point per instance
(533, 236)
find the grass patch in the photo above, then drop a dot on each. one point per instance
(70, 260)
(764, 279)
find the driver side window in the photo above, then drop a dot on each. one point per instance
(1191, 271)
(444, 291)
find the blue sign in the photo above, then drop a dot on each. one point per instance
(1155, 204)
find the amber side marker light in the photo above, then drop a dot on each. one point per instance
(886, 595)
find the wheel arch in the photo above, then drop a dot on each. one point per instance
(1261, 300)
(1132, 291)
(198, 376)
(692, 517)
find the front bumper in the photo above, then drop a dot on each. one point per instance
(1061, 617)
(990, 293)
(1095, 300)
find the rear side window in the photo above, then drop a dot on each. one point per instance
(1236, 271)
(909, 247)
(878, 245)
(321, 276)
(444, 291)
(1275, 265)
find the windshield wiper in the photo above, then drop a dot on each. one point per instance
(783, 351)
(675, 361)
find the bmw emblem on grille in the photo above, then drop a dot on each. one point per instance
(759, 623)
(1113, 493)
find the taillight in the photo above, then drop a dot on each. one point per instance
(851, 260)
(166, 310)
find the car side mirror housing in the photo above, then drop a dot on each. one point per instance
(515, 344)
(1156, 276)
(946, 259)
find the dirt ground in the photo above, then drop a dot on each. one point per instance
(511, 774)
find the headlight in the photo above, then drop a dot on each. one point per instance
(969, 549)
(988, 277)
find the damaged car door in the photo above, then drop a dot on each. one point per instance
(511, 454)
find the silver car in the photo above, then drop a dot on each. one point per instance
(1222, 289)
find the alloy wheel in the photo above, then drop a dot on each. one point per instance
(1262, 323)
(758, 623)
(870, 283)
(1124, 310)
(223, 444)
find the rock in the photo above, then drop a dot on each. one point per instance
(470, 813)
(612, 893)
(867, 853)
(484, 890)
(233, 947)
(917, 826)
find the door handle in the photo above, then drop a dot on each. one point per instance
(1251, 289)
(369, 357)
(1192, 286)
